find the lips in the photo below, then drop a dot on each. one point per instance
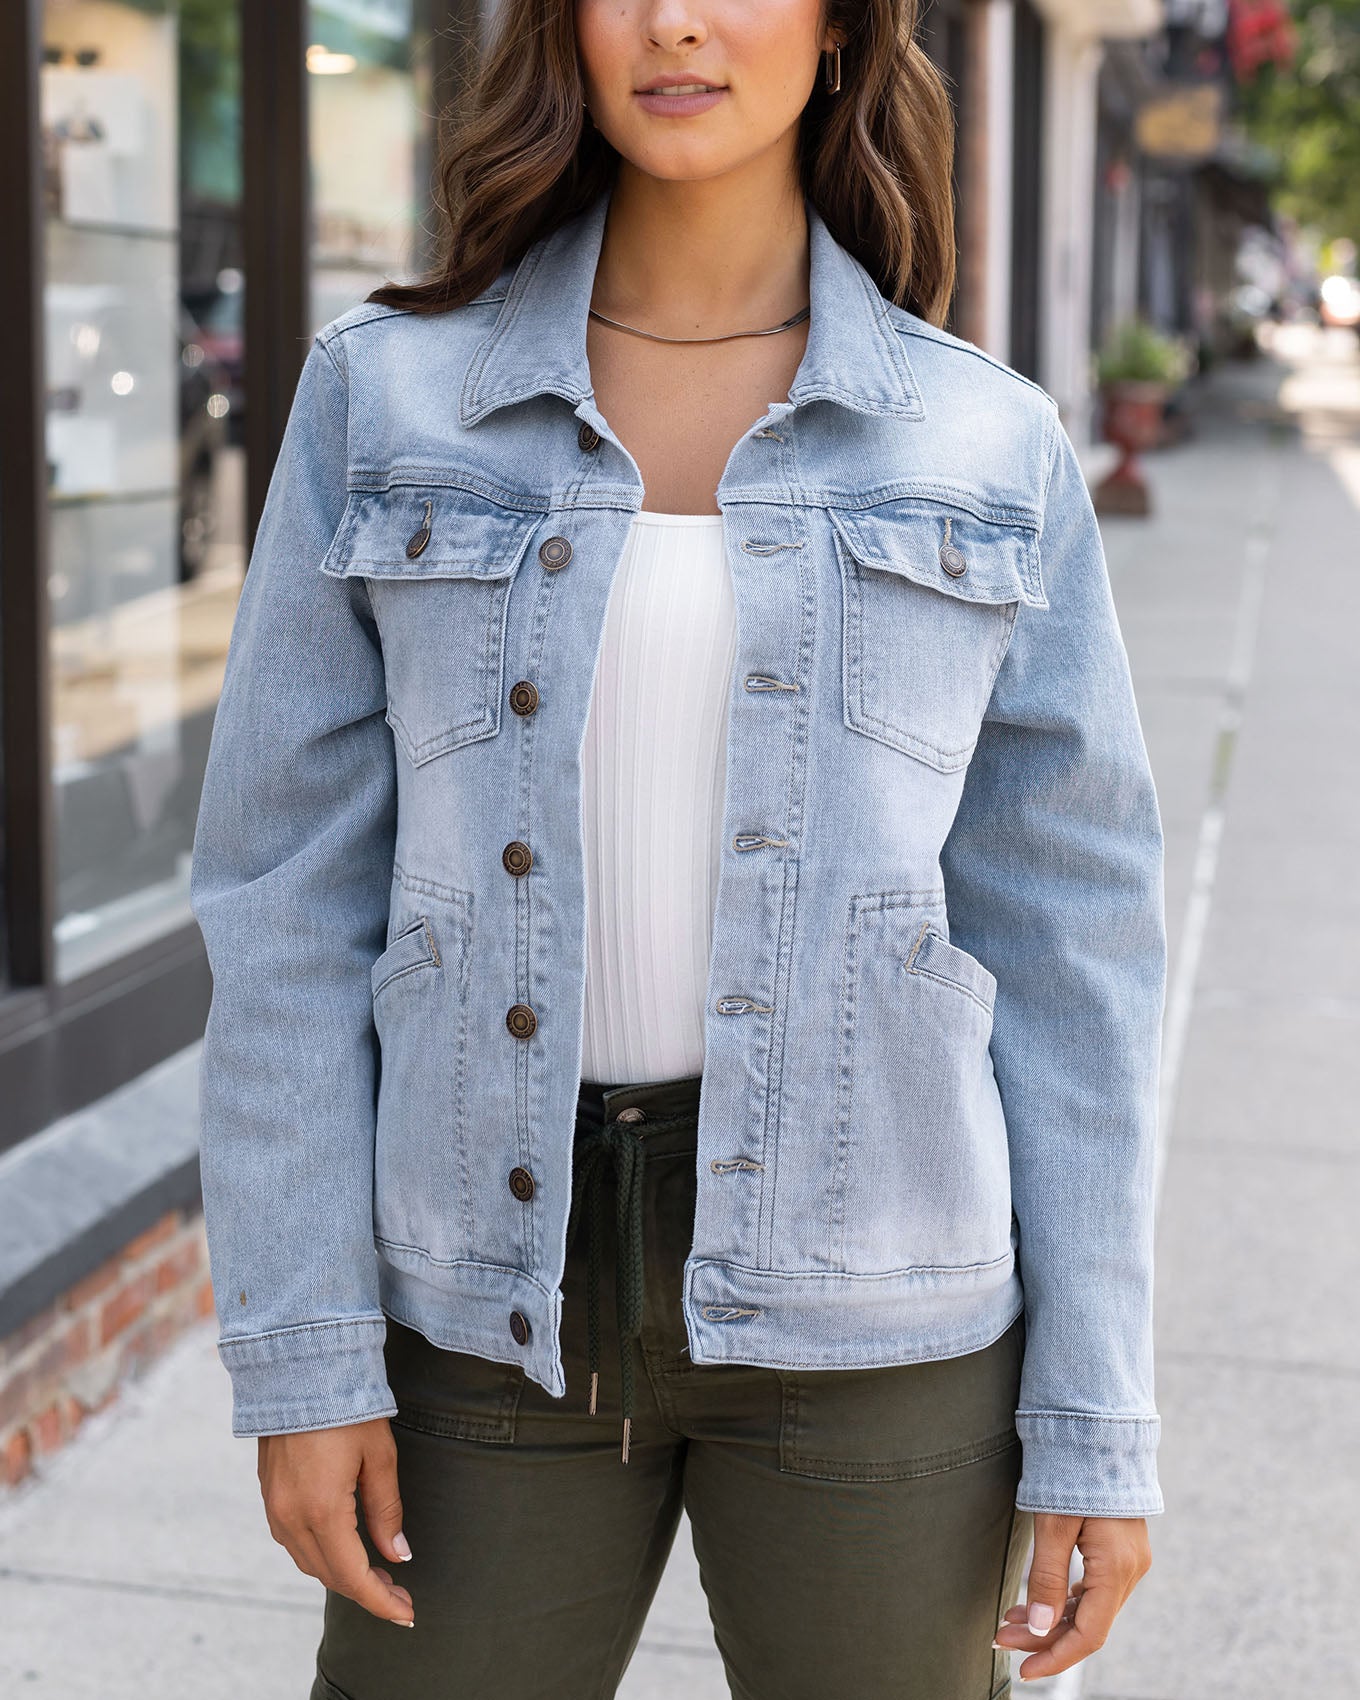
(675, 82)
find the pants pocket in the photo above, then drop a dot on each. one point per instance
(902, 1420)
(454, 1394)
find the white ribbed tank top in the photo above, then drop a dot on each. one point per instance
(653, 771)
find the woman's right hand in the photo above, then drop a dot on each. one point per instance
(309, 1481)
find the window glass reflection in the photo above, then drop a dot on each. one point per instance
(369, 82)
(141, 185)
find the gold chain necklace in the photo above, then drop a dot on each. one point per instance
(797, 319)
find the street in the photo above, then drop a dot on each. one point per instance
(136, 1564)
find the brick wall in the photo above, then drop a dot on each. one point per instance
(71, 1358)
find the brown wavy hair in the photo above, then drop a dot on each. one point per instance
(517, 156)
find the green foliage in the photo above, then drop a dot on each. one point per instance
(1136, 351)
(1308, 114)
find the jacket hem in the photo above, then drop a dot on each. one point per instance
(825, 1319)
(465, 1306)
(1089, 1464)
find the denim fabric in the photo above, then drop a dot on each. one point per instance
(936, 985)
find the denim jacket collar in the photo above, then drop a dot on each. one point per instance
(854, 356)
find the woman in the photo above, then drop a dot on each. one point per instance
(720, 820)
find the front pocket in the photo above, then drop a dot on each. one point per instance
(456, 1395)
(439, 563)
(903, 1420)
(930, 594)
(934, 956)
(421, 1189)
(922, 1155)
(412, 949)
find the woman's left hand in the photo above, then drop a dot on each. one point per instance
(1115, 1553)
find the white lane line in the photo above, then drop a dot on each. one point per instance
(1204, 873)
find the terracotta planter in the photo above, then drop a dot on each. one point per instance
(1132, 412)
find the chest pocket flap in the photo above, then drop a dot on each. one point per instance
(440, 563)
(930, 595)
(947, 549)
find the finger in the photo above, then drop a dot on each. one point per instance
(348, 1572)
(380, 1498)
(1070, 1644)
(1018, 1637)
(1047, 1588)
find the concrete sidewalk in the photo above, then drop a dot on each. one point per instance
(137, 1562)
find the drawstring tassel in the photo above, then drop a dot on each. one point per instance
(601, 1143)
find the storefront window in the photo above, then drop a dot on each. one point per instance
(369, 85)
(140, 137)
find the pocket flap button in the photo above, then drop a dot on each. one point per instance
(952, 558)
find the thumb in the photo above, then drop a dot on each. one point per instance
(381, 1499)
(1049, 1569)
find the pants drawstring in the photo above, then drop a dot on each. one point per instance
(594, 1149)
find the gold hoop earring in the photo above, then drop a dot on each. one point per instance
(832, 79)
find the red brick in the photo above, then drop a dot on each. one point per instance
(18, 1395)
(126, 1306)
(90, 1286)
(16, 1457)
(177, 1266)
(47, 1429)
(155, 1235)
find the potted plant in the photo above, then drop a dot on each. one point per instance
(1137, 368)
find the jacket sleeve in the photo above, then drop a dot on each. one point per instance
(290, 885)
(1053, 875)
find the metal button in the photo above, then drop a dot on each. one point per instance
(416, 543)
(554, 552)
(517, 857)
(953, 560)
(522, 1184)
(521, 1020)
(631, 1114)
(524, 697)
(587, 437)
(519, 1327)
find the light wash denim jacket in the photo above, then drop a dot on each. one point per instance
(936, 985)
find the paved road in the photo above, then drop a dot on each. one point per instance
(139, 1566)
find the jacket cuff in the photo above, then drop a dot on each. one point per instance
(1089, 1466)
(317, 1375)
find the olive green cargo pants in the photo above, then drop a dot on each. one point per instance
(855, 1530)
